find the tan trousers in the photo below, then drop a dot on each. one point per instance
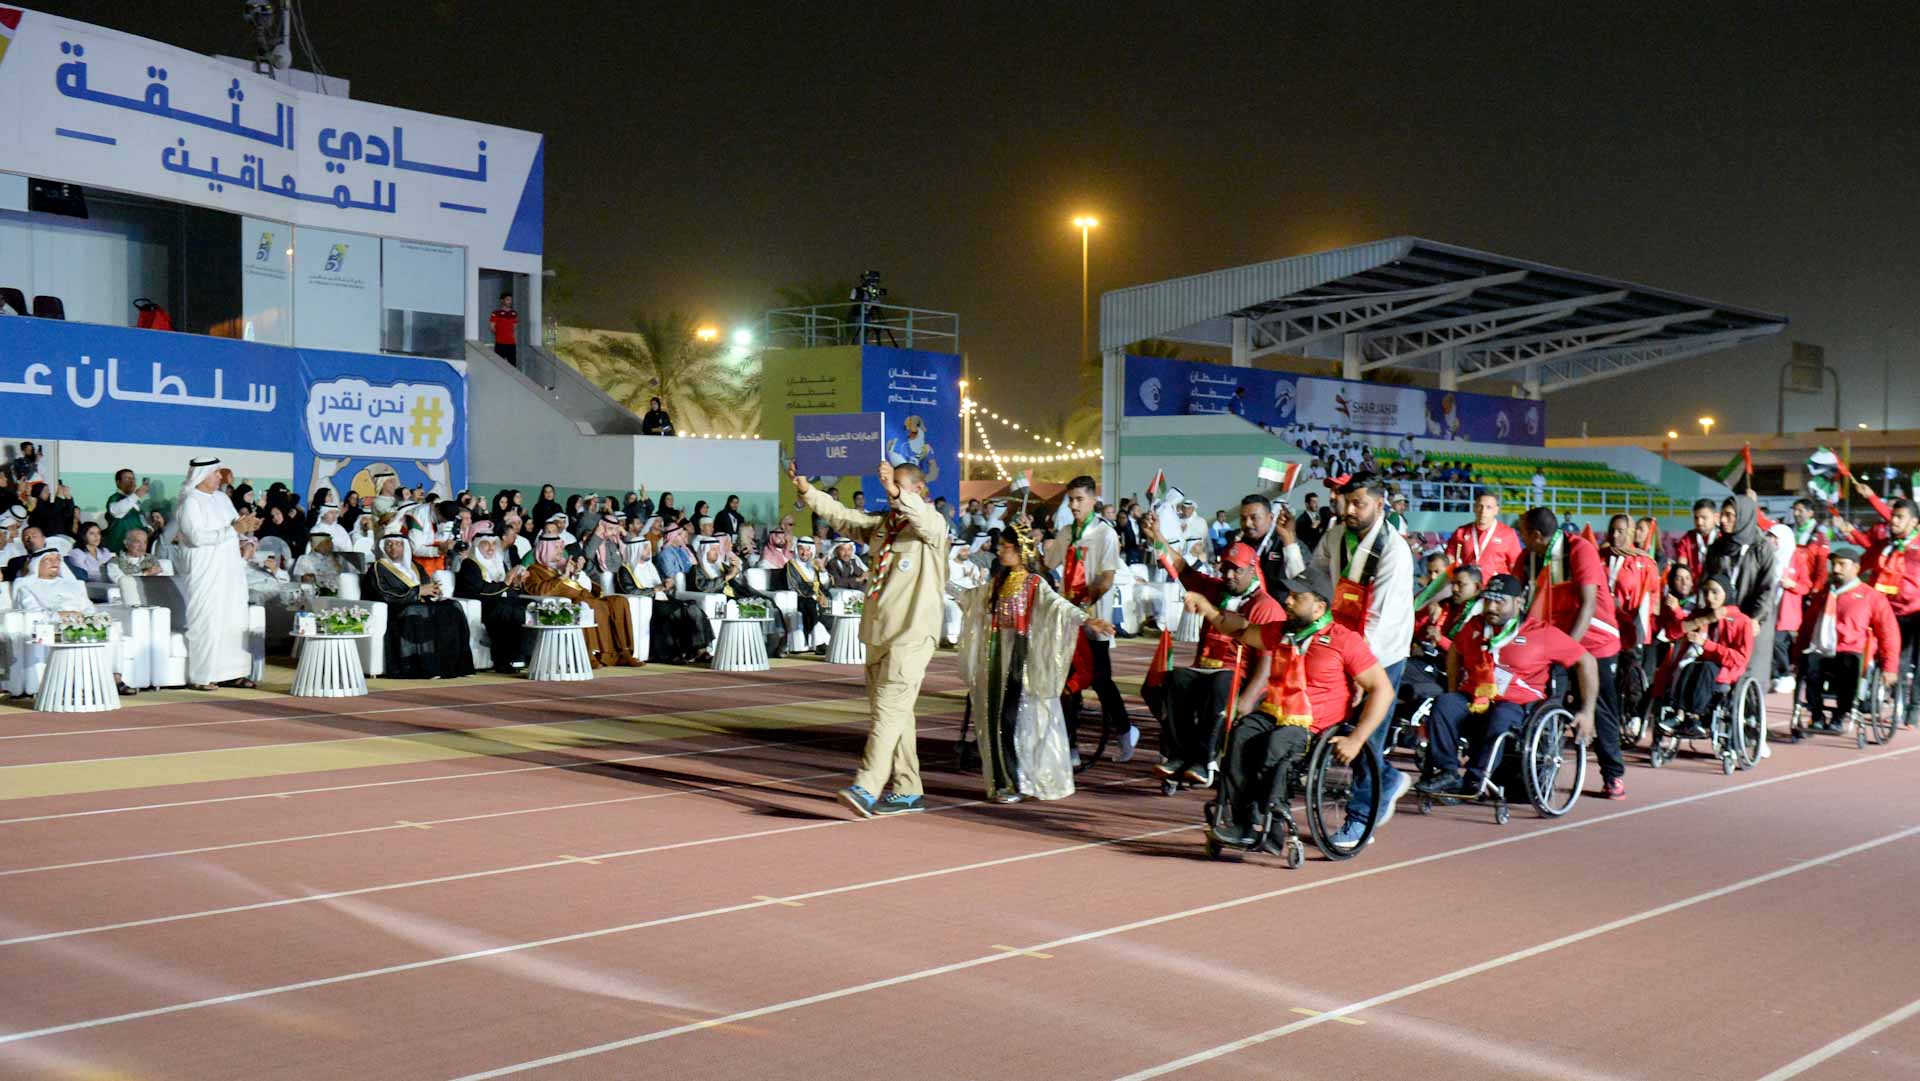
(893, 686)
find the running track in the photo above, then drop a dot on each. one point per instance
(646, 877)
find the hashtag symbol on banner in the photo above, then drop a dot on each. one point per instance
(426, 421)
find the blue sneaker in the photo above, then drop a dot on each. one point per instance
(858, 800)
(893, 803)
(1398, 781)
(1348, 835)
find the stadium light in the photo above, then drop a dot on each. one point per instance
(743, 338)
(707, 333)
(1672, 434)
(1706, 425)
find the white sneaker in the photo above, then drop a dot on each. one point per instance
(1783, 685)
(1766, 750)
(1129, 740)
(1076, 760)
(1398, 782)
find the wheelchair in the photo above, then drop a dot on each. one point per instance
(1552, 766)
(1733, 728)
(1633, 689)
(1874, 719)
(1326, 786)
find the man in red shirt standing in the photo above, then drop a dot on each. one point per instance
(1693, 547)
(1892, 567)
(1804, 574)
(1486, 542)
(1634, 580)
(506, 330)
(1502, 663)
(1570, 591)
(1843, 622)
(1317, 667)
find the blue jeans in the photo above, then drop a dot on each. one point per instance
(1359, 804)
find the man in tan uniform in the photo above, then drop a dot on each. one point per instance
(906, 593)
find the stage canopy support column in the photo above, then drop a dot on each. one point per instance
(1449, 369)
(1242, 343)
(1350, 356)
(1113, 394)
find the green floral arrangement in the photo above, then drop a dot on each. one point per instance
(752, 610)
(84, 627)
(341, 620)
(554, 612)
(858, 607)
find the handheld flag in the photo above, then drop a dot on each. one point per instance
(1157, 487)
(1740, 465)
(1285, 474)
(1022, 480)
(1823, 475)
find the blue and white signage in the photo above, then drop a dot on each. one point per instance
(837, 444)
(94, 106)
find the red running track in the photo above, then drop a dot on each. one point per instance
(698, 906)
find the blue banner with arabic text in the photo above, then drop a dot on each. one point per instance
(919, 391)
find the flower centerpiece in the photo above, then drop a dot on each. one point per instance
(554, 612)
(341, 620)
(83, 627)
(752, 609)
(858, 606)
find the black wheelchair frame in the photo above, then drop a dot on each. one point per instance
(1326, 786)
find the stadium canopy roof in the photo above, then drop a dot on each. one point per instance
(1419, 305)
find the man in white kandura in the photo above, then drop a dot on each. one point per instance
(213, 577)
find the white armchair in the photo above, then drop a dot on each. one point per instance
(26, 661)
(157, 622)
(787, 602)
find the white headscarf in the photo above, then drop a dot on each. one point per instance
(198, 470)
(493, 568)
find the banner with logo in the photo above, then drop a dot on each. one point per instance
(1159, 387)
(345, 417)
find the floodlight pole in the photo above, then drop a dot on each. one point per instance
(1780, 406)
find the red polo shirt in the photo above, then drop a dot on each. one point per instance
(1527, 659)
(1335, 658)
(1562, 606)
(1495, 551)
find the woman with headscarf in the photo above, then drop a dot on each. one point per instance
(559, 570)
(1747, 558)
(701, 512)
(545, 507)
(242, 496)
(54, 514)
(668, 512)
(502, 503)
(426, 637)
(486, 577)
(1716, 643)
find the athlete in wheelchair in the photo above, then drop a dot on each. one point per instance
(1849, 645)
(1435, 626)
(1296, 742)
(1702, 691)
(1504, 663)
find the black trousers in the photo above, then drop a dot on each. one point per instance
(1195, 714)
(1260, 755)
(1837, 675)
(1694, 688)
(508, 353)
(1606, 722)
(1113, 708)
(1783, 650)
(1909, 642)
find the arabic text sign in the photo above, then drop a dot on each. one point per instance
(96, 106)
(837, 444)
(919, 391)
(352, 418)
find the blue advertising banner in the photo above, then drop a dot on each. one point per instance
(919, 391)
(837, 444)
(1158, 387)
(345, 417)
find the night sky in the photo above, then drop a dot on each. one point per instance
(1760, 155)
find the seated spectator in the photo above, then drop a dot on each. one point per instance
(845, 570)
(426, 638)
(134, 560)
(320, 567)
(484, 576)
(51, 587)
(31, 539)
(560, 571)
(266, 573)
(89, 557)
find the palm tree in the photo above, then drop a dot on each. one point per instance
(662, 358)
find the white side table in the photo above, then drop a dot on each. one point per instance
(559, 654)
(79, 679)
(329, 666)
(1189, 627)
(740, 646)
(845, 646)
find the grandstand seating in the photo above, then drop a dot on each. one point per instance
(1512, 478)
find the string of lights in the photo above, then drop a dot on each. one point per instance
(999, 466)
(1066, 452)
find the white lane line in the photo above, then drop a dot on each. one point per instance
(1342, 1012)
(454, 705)
(244, 996)
(655, 718)
(581, 936)
(1865, 1032)
(230, 846)
(1306, 1022)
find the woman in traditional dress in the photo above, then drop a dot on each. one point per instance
(427, 637)
(1016, 643)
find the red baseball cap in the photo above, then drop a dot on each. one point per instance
(1241, 555)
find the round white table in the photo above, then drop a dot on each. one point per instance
(559, 653)
(329, 666)
(845, 646)
(740, 645)
(79, 679)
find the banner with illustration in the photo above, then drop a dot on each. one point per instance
(347, 418)
(919, 392)
(1158, 387)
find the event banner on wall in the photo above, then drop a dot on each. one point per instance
(803, 382)
(919, 392)
(1159, 387)
(94, 106)
(345, 417)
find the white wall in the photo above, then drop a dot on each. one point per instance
(96, 266)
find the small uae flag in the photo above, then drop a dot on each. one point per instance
(1740, 465)
(1285, 474)
(1022, 480)
(9, 22)
(1823, 474)
(1157, 487)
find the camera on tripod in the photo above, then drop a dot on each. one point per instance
(865, 295)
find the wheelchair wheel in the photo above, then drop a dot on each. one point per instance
(1330, 785)
(1634, 708)
(1879, 719)
(1296, 853)
(1749, 721)
(1553, 764)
